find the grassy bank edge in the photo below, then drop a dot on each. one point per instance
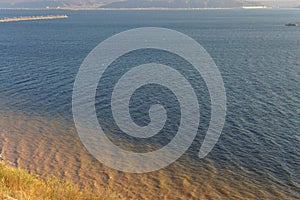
(16, 183)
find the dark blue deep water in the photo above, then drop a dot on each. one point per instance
(258, 57)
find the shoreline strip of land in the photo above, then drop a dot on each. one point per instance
(146, 8)
(32, 18)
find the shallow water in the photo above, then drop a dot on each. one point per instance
(257, 156)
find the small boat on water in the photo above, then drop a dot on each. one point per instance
(291, 24)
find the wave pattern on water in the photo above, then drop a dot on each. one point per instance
(258, 154)
(50, 146)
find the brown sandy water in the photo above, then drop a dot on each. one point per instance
(51, 146)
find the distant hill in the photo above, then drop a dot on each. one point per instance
(145, 3)
(39, 4)
(53, 3)
(33, 4)
(175, 4)
(4, 5)
(122, 3)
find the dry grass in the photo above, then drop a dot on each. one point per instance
(18, 184)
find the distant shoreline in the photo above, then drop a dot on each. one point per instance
(147, 9)
(104, 9)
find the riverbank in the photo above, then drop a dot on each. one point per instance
(16, 183)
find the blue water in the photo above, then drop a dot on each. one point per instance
(258, 57)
